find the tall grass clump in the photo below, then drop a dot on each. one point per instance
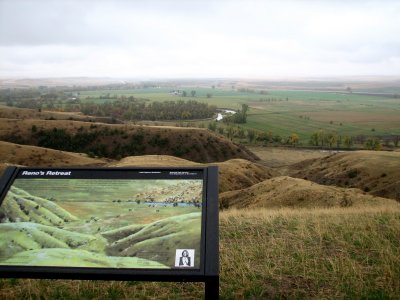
(328, 253)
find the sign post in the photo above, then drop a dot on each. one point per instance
(146, 224)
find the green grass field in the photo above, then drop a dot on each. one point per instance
(286, 112)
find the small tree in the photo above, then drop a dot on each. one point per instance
(193, 93)
(396, 140)
(331, 138)
(339, 141)
(373, 144)
(293, 139)
(230, 132)
(212, 126)
(314, 139)
(251, 135)
(209, 95)
(277, 139)
(240, 133)
(184, 94)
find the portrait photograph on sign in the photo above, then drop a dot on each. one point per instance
(97, 219)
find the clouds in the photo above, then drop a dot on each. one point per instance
(179, 38)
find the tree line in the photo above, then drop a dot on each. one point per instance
(322, 138)
(126, 109)
(318, 139)
(240, 117)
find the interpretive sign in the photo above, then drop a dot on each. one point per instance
(110, 223)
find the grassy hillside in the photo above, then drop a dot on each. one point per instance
(24, 236)
(43, 157)
(234, 174)
(322, 235)
(322, 254)
(375, 172)
(26, 113)
(19, 206)
(284, 192)
(133, 240)
(333, 253)
(117, 141)
(280, 157)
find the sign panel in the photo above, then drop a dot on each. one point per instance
(118, 219)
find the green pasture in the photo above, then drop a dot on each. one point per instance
(105, 216)
(284, 112)
(219, 97)
(286, 123)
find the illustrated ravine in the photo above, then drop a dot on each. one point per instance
(111, 224)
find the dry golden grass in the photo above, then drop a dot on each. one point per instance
(288, 212)
(26, 113)
(336, 253)
(283, 191)
(234, 174)
(14, 154)
(280, 157)
(319, 253)
(153, 161)
(375, 172)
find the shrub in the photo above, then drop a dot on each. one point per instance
(352, 174)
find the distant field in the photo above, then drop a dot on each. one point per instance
(286, 112)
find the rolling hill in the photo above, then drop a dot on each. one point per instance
(234, 174)
(27, 113)
(26, 155)
(375, 172)
(138, 240)
(117, 140)
(20, 206)
(287, 192)
(25, 236)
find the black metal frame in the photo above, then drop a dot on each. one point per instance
(209, 261)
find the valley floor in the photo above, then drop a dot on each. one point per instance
(279, 157)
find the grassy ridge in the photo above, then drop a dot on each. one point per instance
(20, 205)
(165, 234)
(325, 253)
(333, 253)
(22, 236)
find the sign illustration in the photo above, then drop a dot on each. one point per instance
(102, 219)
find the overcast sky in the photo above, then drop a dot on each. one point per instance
(198, 39)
